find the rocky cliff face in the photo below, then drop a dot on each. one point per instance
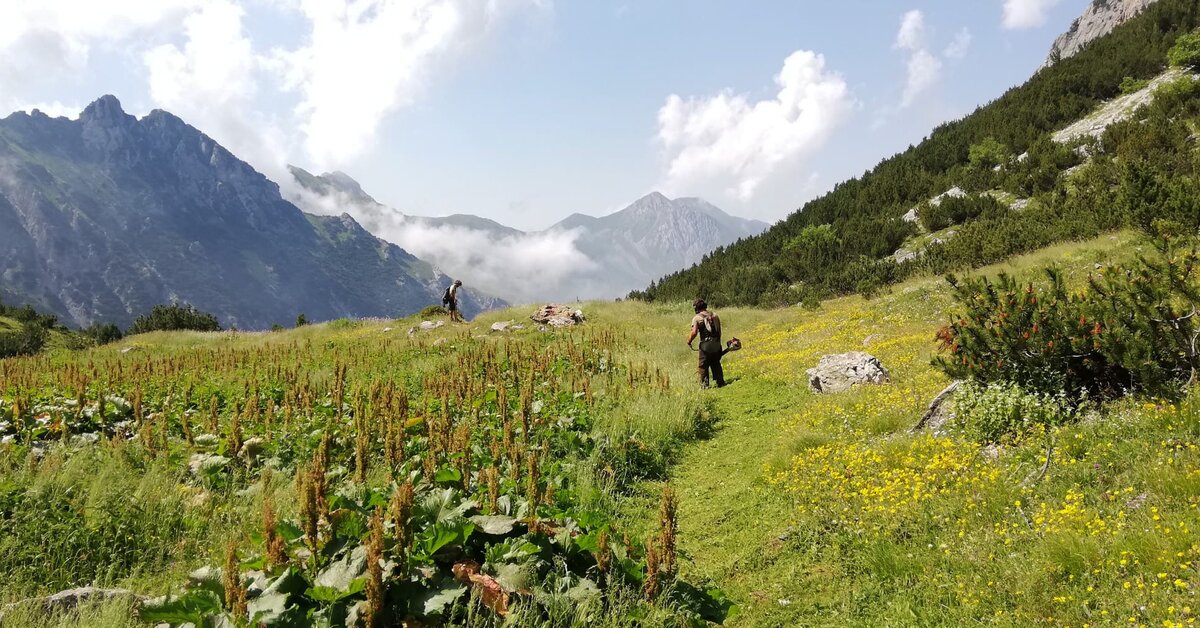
(103, 217)
(1100, 18)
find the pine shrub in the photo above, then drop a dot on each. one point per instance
(1131, 329)
(174, 317)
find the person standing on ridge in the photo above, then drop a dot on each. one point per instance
(450, 301)
(707, 326)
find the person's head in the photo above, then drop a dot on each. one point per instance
(699, 305)
(458, 282)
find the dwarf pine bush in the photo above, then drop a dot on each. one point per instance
(1130, 329)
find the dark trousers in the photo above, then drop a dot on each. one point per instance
(711, 362)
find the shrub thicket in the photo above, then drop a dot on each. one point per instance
(102, 333)
(1132, 329)
(432, 311)
(174, 317)
(1186, 51)
(955, 210)
(27, 340)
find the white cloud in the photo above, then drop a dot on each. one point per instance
(362, 60)
(1020, 14)
(960, 46)
(520, 268)
(367, 58)
(211, 82)
(43, 42)
(912, 31)
(726, 144)
(923, 68)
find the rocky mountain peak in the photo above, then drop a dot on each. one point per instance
(106, 110)
(1100, 18)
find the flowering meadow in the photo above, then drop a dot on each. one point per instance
(854, 518)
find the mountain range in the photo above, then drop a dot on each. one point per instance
(582, 256)
(105, 216)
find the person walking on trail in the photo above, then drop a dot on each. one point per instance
(450, 300)
(707, 326)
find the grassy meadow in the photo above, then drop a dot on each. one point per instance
(801, 509)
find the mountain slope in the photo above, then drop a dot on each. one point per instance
(655, 234)
(837, 243)
(579, 257)
(103, 217)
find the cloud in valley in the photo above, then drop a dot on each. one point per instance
(1021, 14)
(727, 145)
(520, 268)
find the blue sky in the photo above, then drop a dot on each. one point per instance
(528, 110)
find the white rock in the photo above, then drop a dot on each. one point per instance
(839, 373)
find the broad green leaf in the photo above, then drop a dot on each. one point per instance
(438, 601)
(342, 573)
(191, 607)
(447, 475)
(442, 506)
(289, 531)
(267, 607)
(495, 525)
(583, 590)
(207, 578)
(513, 577)
(440, 536)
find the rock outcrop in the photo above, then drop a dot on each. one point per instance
(1100, 18)
(839, 373)
(1115, 110)
(556, 315)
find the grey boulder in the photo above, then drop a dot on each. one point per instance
(840, 373)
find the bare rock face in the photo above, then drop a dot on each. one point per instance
(839, 373)
(1100, 18)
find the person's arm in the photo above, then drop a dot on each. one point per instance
(692, 336)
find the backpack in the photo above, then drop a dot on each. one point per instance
(446, 298)
(709, 343)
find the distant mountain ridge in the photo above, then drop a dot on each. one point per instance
(627, 249)
(105, 216)
(656, 235)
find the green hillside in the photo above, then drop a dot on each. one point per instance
(843, 242)
(800, 509)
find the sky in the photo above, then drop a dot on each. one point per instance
(526, 111)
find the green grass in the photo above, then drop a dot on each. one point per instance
(804, 509)
(836, 562)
